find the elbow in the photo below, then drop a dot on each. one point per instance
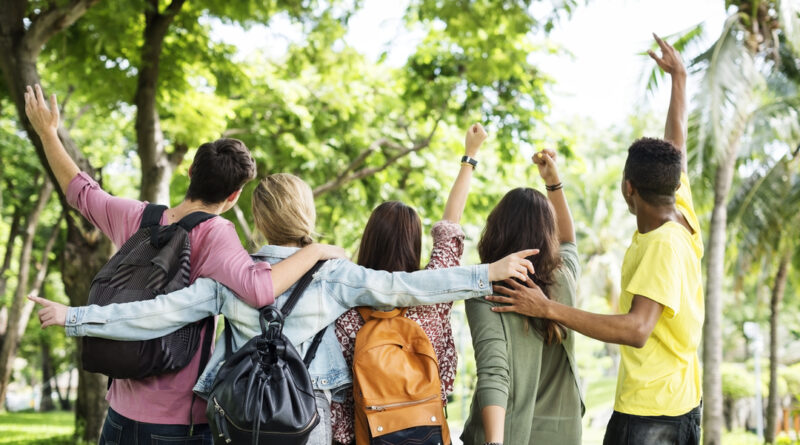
(638, 336)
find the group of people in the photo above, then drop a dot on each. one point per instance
(519, 302)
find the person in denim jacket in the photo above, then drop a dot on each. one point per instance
(284, 212)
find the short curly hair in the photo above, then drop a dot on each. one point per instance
(654, 169)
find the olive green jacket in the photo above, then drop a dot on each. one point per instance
(536, 383)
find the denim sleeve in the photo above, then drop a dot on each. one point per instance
(354, 285)
(144, 320)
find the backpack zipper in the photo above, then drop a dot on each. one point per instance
(400, 404)
(222, 421)
(224, 424)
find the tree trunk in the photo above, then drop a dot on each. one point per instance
(82, 260)
(12, 236)
(46, 402)
(157, 164)
(86, 249)
(773, 403)
(712, 329)
(16, 324)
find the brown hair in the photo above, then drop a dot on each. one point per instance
(219, 169)
(283, 208)
(524, 219)
(392, 239)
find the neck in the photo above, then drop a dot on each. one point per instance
(188, 206)
(649, 217)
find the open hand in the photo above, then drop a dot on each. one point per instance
(670, 60)
(515, 265)
(42, 117)
(52, 314)
(525, 299)
(545, 160)
(475, 137)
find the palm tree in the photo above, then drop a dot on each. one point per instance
(766, 223)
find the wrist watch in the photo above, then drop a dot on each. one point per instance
(468, 160)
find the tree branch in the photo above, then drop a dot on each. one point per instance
(346, 176)
(50, 23)
(178, 153)
(69, 122)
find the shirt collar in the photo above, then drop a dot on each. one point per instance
(270, 251)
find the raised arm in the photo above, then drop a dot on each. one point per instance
(545, 160)
(675, 129)
(458, 194)
(44, 120)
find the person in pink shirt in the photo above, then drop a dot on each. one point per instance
(161, 406)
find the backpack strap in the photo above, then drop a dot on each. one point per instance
(299, 288)
(312, 350)
(286, 309)
(191, 220)
(205, 353)
(152, 215)
(228, 339)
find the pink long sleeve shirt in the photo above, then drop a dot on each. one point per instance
(216, 253)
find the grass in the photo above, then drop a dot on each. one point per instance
(31, 428)
(56, 428)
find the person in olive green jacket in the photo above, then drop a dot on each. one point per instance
(528, 390)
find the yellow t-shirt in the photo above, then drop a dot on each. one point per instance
(663, 377)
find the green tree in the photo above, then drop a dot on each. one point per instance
(766, 225)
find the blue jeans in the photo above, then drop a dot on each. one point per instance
(120, 430)
(628, 429)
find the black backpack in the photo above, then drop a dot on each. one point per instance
(153, 261)
(263, 392)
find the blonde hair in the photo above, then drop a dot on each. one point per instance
(283, 208)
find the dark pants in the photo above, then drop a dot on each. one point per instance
(120, 430)
(627, 429)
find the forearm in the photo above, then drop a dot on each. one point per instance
(358, 286)
(64, 168)
(675, 129)
(288, 271)
(622, 329)
(454, 208)
(564, 224)
(142, 320)
(493, 418)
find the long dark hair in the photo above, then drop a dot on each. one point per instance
(392, 239)
(524, 219)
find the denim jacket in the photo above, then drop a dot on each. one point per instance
(338, 286)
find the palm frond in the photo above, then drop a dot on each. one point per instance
(683, 41)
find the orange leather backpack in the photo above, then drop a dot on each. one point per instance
(396, 383)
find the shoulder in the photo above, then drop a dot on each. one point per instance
(564, 287)
(216, 228)
(570, 260)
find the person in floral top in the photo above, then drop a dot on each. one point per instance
(391, 242)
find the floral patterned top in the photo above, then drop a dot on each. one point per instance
(448, 246)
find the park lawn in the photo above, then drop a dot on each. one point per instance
(56, 428)
(53, 428)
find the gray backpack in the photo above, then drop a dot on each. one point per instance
(153, 261)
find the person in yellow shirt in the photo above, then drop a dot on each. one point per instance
(658, 393)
